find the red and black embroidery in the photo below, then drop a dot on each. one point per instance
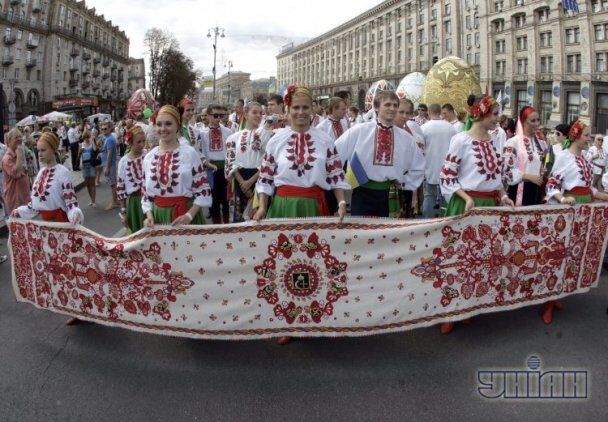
(337, 125)
(384, 146)
(42, 186)
(300, 150)
(165, 171)
(555, 182)
(487, 159)
(449, 170)
(135, 172)
(244, 137)
(216, 142)
(267, 168)
(584, 170)
(333, 166)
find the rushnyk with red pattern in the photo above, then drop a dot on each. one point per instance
(308, 278)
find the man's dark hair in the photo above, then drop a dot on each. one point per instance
(345, 95)
(276, 98)
(423, 106)
(449, 107)
(212, 107)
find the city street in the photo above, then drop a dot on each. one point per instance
(53, 372)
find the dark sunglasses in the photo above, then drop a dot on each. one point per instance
(218, 115)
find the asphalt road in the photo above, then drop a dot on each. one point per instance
(52, 372)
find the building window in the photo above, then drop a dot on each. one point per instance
(573, 103)
(420, 35)
(520, 20)
(409, 22)
(522, 99)
(499, 25)
(545, 106)
(421, 50)
(447, 27)
(546, 64)
(448, 46)
(469, 58)
(500, 67)
(522, 66)
(522, 43)
(573, 35)
(543, 15)
(573, 63)
(468, 22)
(476, 20)
(434, 33)
(601, 31)
(500, 46)
(477, 44)
(433, 14)
(16, 73)
(600, 62)
(546, 39)
(477, 58)
(599, 5)
(498, 5)
(447, 8)
(469, 38)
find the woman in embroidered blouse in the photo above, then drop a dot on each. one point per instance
(472, 173)
(244, 153)
(524, 160)
(175, 186)
(53, 196)
(301, 162)
(571, 182)
(130, 179)
(597, 158)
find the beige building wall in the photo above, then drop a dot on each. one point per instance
(62, 48)
(228, 87)
(136, 75)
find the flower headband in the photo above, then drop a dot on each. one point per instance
(574, 133)
(293, 90)
(132, 133)
(483, 107)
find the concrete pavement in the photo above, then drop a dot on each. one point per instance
(52, 372)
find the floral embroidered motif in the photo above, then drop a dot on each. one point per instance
(488, 160)
(42, 186)
(449, 170)
(165, 171)
(337, 125)
(584, 170)
(384, 146)
(300, 152)
(216, 142)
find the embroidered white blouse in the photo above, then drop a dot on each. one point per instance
(333, 127)
(534, 155)
(213, 143)
(598, 164)
(569, 171)
(245, 149)
(174, 173)
(52, 190)
(385, 153)
(130, 176)
(303, 160)
(471, 165)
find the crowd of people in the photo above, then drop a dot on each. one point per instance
(292, 157)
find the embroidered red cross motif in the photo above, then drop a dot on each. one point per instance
(215, 139)
(584, 170)
(383, 147)
(337, 125)
(487, 159)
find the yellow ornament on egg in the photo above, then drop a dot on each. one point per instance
(451, 80)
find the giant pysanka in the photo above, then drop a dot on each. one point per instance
(412, 87)
(381, 85)
(451, 80)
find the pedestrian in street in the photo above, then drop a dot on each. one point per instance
(97, 139)
(90, 162)
(471, 174)
(524, 160)
(74, 140)
(175, 188)
(131, 179)
(109, 155)
(437, 134)
(382, 159)
(597, 157)
(571, 183)
(245, 150)
(16, 184)
(300, 164)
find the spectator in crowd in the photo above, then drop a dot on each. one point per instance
(74, 141)
(90, 162)
(16, 181)
(109, 154)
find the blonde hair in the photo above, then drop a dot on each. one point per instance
(12, 133)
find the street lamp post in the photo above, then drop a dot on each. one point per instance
(11, 104)
(216, 31)
(229, 66)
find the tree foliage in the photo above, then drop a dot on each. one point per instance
(177, 77)
(158, 41)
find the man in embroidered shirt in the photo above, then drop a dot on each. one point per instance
(423, 114)
(449, 115)
(382, 159)
(437, 135)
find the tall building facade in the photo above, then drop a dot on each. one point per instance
(229, 86)
(60, 54)
(531, 51)
(137, 75)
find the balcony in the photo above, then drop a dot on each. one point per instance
(73, 82)
(31, 63)
(96, 86)
(114, 65)
(36, 6)
(106, 62)
(86, 84)
(75, 51)
(106, 75)
(86, 70)
(96, 60)
(96, 73)
(86, 56)
(113, 78)
(10, 39)
(7, 60)
(31, 44)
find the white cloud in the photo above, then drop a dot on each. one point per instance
(255, 30)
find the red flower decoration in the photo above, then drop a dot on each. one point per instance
(290, 90)
(576, 130)
(483, 107)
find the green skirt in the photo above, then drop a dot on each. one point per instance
(292, 207)
(580, 199)
(135, 215)
(164, 215)
(456, 206)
